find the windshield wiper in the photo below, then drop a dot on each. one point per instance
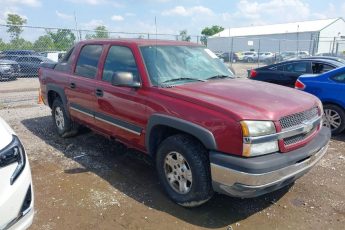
(182, 78)
(219, 77)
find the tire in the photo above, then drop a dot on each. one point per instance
(250, 60)
(186, 162)
(65, 127)
(334, 118)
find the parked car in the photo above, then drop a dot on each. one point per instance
(18, 52)
(9, 70)
(229, 57)
(53, 55)
(330, 89)
(16, 191)
(326, 58)
(29, 65)
(286, 73)
(250, 56)
(266, 56)
(177, 102)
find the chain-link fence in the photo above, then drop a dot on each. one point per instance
(23, 48)
(252, 52)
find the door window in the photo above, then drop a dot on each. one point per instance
(300, 67)
(119, 59)
(88, 61)
(339, 78)
(321, 68)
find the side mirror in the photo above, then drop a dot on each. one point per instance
(125, 79)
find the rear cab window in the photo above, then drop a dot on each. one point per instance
(65, 64)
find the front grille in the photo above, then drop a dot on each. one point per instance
(298, 138)
(297, 119)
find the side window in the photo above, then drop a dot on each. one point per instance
(119, 59)
(339, 78)
(88, 61)
(65, 63)
(300, 67)
(35, 60)
(321, 68)
(23, 59)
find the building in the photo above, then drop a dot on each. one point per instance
(318, 36)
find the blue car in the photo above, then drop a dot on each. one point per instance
(329, 87)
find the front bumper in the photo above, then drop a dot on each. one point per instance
(251, 177)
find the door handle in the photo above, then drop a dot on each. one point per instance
(72, 85)
(99, 92)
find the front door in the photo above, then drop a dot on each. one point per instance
(121, 111)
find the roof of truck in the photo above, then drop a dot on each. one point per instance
(142, 42)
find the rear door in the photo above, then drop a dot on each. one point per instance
(82, 84)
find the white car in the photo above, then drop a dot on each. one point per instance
(16, 192)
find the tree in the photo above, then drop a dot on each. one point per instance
(100, 32)
(209, 31)
(44, 43)
(184, 36)
(63, 39)
(21, 44)
(14, 25)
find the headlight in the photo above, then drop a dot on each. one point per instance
(13, 153)
(257, 128)
(252, 129)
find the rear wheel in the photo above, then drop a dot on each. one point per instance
(63, 124)
(184, 170)
(334, 118)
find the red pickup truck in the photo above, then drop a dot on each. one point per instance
(177, 102)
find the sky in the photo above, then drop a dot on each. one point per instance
(172, 16)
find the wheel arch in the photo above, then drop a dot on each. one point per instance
(161, 126)
(54, 91)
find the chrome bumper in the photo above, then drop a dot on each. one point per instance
(241, 184)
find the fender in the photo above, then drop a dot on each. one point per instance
(201, 133)
(58, 90)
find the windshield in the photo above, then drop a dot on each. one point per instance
(181, 64)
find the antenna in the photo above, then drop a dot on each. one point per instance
(76, 26)
(158, 80)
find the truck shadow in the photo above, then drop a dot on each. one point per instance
(133, 174)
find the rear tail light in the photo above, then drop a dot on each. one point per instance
(299, 85)
(253, 73)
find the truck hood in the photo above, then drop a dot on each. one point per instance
(5, 133)
(244, 99)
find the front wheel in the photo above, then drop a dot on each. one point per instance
(334, 118)
(184, 170)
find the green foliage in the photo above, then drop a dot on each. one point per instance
(100, 32)
(20, 44)
(44, 43)
(63, 39)
(209, 31)
(184, 36)
(14, 25)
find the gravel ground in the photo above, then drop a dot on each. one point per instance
(90, 182)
